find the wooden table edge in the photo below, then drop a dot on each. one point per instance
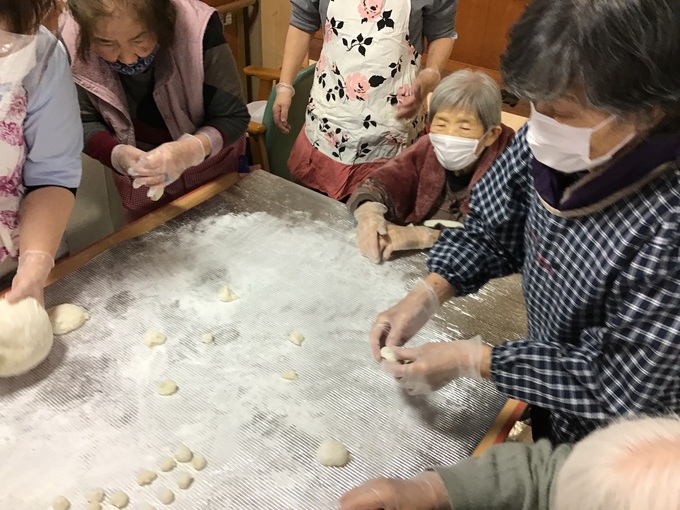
(506, 419)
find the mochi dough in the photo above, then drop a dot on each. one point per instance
(227, 295)
(67, 318)
(332, 453)
(152, 338)
(120, 499)
(168, 464)
(166, 496)
(183, 454)
(388, 354)
(167, 387)
(61, 503)
(146, 477)
(95, 495)
(290, 375)
(25, 336)
(296, 338)
(199, 462)
(184, 480)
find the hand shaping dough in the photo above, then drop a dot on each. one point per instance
(168, 464)
(166, 496)
(207, 338)
(25, 336)
(95, 495)
(290, 375)
(184, 480)
(227, 295)
(66, 318)
(152, 338)
(332, 453)
(61, 503)
(167, 387)
(146, 477)
(199, 462)
(296, 338)
(94, 505)
(388, 354)
(119, 499)
(183, 454)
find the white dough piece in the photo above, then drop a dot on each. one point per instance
(332, 453)
(168, 464)
(207, 338)
(147, 506)
(184, 480)
(183, 454)
(296, 338)
(61, 503)
(94, 505)
(119, 499)
(290, 375)
(167, 387)
(25, 336)
(152, 338)
(67, 318)
(227, 295)
(199, 462)
(166, 496)
(95, 495)
(388, 354)
(146, 477)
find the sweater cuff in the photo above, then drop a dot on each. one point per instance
(100, 146)
(216, 139)
(457, 486)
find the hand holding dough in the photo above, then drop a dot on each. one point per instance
(67, 318)
(388, 354)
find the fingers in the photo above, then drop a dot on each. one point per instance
(281, 117)
(406, 355)
(365, 497)
(377, 337)
(157, 180)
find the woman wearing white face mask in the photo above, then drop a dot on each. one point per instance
(432, 180)
(40, 145)
(585, 202)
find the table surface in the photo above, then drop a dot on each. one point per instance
(90, 415)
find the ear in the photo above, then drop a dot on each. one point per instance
(492, 136)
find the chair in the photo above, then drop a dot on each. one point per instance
(270, 147)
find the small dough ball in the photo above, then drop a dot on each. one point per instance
(227, 295)
(146, 477)
(167, 387)
(94, 505)
(388, 354)
(119, 499)
(290, 375)
(296, 338)
(66, 318)
(25, 336)
(95, 495)
(147, 506)
(166, 496)
(183, 454)
(168, 464)
(184, 480)
(61, 503)
(152, 338)
(332, 453)
(207, 338)
(199, 462)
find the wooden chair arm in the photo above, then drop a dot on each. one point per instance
(262, 73)
(255, 128)
(234, 6)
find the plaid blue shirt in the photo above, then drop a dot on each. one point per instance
(602, 292)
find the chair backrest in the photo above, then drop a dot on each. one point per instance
(279, 144)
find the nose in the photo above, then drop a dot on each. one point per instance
(127, 57)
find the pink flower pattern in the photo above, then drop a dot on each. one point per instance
(321, 65)
(17, 107)
(9, 219)
(357, 87)
(327, 32)
(371, 9)
(10, 185)
(332, 139)
(11, 133)
(4, 254)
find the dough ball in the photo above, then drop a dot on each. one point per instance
(95, 495)
(146, 477)
(61, 503)
(152, 338)
(184, 480)
(199, 462)
(388, 354)
(66, 318)
(227, 295)
(147, 506)
(25, 336)
(296, 338)
(168, 464)
(207, 338)
(166, 496)
(94, 505)
(119, 499)
(290, 375)
(167, 387)
(183, 454)
(332, 453)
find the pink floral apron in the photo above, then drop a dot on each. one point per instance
(367, 66)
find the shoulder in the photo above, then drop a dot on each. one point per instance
(51, 72)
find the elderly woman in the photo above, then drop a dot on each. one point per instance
(432, 179)
(586, 203)
(160, 97)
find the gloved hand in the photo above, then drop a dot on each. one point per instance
(166, 163)
(372, 225)
(424, 492)
(284, 97)
(34, 268)
(397, 325)
(124, 157)
(408, 238)
(432, 366)
(425, 82)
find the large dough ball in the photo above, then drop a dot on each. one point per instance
(25, 336)
(66, 318)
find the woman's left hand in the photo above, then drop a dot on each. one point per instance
(424, 83)
(424, 492)
(166, 163)
(34, 268)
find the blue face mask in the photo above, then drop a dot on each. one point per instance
(138, 67)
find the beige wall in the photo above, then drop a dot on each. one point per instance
(274, 19)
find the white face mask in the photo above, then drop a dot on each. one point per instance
(454, 152)
(566, 148)
(15, 66)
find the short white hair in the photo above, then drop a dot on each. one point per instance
(630, 465)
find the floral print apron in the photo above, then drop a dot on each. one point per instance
(366, 68)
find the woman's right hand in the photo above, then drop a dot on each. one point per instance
(124, 157)
(424, 492)
(284, 97)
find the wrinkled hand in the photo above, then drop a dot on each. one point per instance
(34, 268)
(124, 157)
(411, 105)
(372, 225)
(280, 109)
(408, 238)
(424, 492)
(397, 325)
(432, 366)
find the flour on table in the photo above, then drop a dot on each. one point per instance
(290, 375)
(152, 338)
(199, 462)
(227, 295)
(166, 496)
(119, 499)
(332, 453)
(167, 387)
(296, 338)
(147, 506)
(146, 477)
(168, 464)
(184, 480)
(183, 454)
(67, 318)
(61, 503)
(25, 336)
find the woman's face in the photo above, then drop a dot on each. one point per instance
(121, 38)
(464, 124)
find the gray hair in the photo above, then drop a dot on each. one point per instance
(469, 90)
(623, 54)
(628, 465)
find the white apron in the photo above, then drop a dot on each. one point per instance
(367, 66)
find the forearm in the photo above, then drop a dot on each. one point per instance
(438, 53)
(44, 215)
(296, 49)
(443, 289)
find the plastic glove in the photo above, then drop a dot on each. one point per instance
(432, 366)
(284, 97)
(397, 325)
(408, 238)
(424, 492)
(425, 82)
(124, 157)
(372, 225)
(34, 268)
(166, 163)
